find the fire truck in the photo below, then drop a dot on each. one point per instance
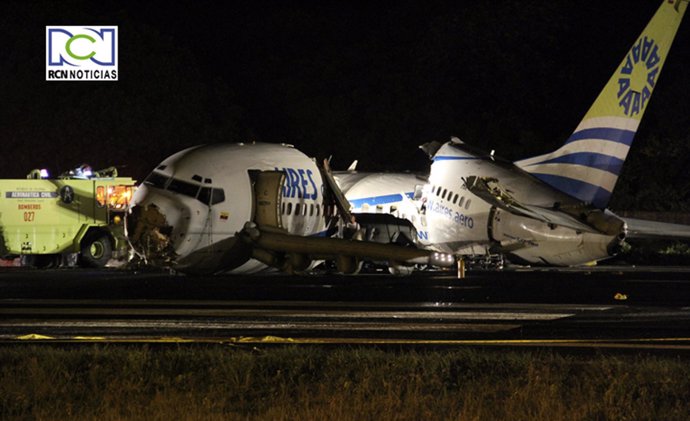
(76, 218)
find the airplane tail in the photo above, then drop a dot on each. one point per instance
(587, 166)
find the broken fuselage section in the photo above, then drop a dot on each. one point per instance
(241, 208)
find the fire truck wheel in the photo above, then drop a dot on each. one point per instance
(27, 260)
(96, 250)
(40, 261)
(47, 261)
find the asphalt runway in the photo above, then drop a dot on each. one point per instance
(615, 307)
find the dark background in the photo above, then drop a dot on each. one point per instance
(356, 81)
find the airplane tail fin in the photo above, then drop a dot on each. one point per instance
(587, 166)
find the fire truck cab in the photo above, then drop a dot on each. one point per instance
(46, 222)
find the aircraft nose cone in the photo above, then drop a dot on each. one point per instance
(149, 234)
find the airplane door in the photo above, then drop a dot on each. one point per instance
(268, 194)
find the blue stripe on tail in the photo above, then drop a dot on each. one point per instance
(587, 159)
(614, 135)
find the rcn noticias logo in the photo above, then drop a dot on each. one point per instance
(81, 53)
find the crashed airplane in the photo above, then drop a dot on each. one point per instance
(245, 207)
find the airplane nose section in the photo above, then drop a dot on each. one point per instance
(150, 230)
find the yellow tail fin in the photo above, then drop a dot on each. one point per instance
(588, 164)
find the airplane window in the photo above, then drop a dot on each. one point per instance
(443, 196)
(156, 180)
(467, 204)
(318, 207)
(438, 191)
(297, 209)
(462, 200)
(161, 167)
(455, 199)
(182, 187)
(282, 208)
(289, 208)
(311, 210)
(217, 196)
(197, 178)
(205, 195)
(304, 210)
(209, 196)
(208, 181)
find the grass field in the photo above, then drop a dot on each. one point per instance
(102, 383)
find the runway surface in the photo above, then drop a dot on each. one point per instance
(598, 308)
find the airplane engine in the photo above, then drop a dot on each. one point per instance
(537, 242)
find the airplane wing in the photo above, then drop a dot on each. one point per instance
(642, 228)
(593, 221)
(583, 219)
(291, 253)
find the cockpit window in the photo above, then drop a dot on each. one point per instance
(217, 196)
(206, 195)
(182, 187)
(156, 179)
(210, 196)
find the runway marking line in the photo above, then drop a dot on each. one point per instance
(630, 343)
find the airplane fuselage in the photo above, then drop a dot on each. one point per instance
(455, 220)
(200, 198)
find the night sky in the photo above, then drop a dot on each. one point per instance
(368, 82)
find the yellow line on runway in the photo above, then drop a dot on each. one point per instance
(631, 343)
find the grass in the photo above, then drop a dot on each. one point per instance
(655, 252)
(317, 383)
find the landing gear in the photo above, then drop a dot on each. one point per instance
(484, 262)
